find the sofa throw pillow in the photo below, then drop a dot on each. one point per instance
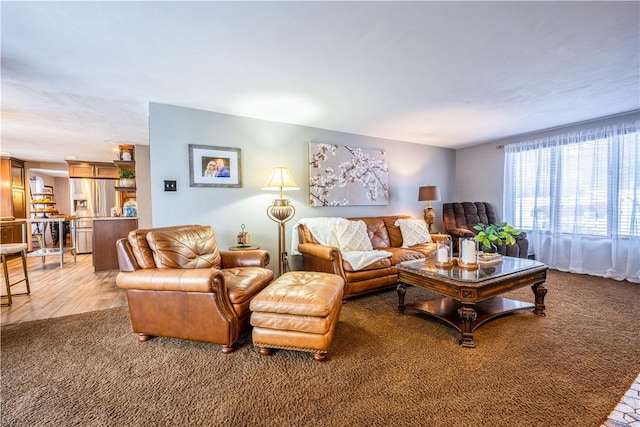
(414, 232)
(352, 236)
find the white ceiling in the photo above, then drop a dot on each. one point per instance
(77, 77)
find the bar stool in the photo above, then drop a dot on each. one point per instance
(7, 249)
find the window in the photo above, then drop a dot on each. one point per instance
(584, 183)
(37, 185)
(628, 180)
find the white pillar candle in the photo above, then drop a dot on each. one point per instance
(468, 252)
(443, 255)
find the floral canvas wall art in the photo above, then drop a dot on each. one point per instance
(340, 175)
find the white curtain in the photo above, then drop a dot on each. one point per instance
(578, 197)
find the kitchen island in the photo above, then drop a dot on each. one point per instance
(106, 232)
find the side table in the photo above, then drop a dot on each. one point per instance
(244, 248)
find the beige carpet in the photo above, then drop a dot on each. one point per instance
(569, 368)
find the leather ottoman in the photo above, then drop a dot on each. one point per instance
(297, 311)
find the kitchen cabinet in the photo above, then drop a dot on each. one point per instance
(6, 233)
(84, 235)
(11, 231)
(92, 170)
(13, 203)
(18, 200)
(82, 170)
(105, 171)
(106, 232)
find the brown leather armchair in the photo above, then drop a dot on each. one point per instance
(460, 218)
(180, 285)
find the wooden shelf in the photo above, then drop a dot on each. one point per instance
(125, 193)
(122, 164)
(45, 212)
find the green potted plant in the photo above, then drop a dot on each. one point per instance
(490, 236)
(127, 177)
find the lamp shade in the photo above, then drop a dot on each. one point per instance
(428, 193)
(280, 180)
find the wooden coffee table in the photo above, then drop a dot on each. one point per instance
(471, 296)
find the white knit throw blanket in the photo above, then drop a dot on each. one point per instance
(322, 229)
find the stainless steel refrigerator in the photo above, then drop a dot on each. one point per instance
(90, 198)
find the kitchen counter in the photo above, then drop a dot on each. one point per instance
(104, 218)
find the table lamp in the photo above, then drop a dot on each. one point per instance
(281, 211)
(427, 194)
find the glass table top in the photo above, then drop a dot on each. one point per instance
(486, 270)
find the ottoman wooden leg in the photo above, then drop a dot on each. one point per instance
(319, 356)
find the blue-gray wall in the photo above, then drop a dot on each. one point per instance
(470, 174)
(265, 145)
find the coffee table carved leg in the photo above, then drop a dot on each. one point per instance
(539, 291)
(467, 315)
(401, 289)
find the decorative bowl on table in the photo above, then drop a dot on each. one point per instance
(486, 259)
(488, 256)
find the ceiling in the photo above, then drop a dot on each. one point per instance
(77, 77)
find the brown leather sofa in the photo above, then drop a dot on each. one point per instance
(180, 285)
(459, 219)
(384, 235)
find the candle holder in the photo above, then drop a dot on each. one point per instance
(468, 253)
(243, 237)
(444, 249)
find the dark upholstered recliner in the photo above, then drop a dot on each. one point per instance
(460, 218)
(180, 285)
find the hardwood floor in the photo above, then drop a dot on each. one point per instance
(74, 288)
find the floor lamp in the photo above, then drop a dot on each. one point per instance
(427, 194)
(281, 211)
